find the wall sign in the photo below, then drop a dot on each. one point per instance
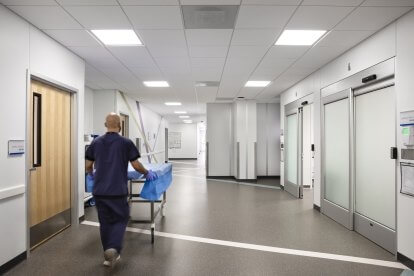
(16, 147)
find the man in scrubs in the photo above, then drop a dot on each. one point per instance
(110, 155)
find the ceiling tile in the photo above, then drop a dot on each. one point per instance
(345, 39)
(133, 56)
(208, 51)
(28, 2)
(286, 52)
(208, 37)
(210, 2)
(147, 73)
(73, 38)
(265, 37)
(249, 92)
(165, 51)
(149, 2)
(371, 18)
(271, 68)
(208, 62)
(100, 17)
(242, 52)
(173, 38)
(56, 17)
(389, 3)
(317, 17)
(206, 94)
(155, 17)
(343, 3)
(274, 17)
(272, 2)
(206, 74)
(172, 62)
(87, 2)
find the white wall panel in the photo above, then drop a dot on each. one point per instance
(88, 111)
(188, 141)
(405, 101)
(219, 138)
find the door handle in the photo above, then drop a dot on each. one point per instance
(394, 153)
(32, 169)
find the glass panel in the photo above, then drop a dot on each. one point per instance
(37, 126)
(292, 148)
(374, 169)
(337, 153)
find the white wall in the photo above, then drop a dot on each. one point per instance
(25, 47)
(394, 40)
(268, 139)
(154, 127)
(88, 111)
(189, 141)
(104, 102)
(219, 139)
(405, 101)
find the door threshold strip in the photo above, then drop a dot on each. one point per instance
(264, 248)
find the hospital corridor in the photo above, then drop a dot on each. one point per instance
(207, 137)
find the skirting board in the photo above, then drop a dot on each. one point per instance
(405, 260)
(267, 176)
(316, 207)
(182, 158)
(13, 262)
(82, 218)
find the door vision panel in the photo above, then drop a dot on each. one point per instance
(50, 189)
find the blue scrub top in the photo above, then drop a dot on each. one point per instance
(111, 153)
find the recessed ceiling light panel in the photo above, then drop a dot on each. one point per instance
(156, 84)
(184, 117)
(300, 37)
(187, 121)
(117, 37)
(180, 112)
(173, 103)
(257, 83)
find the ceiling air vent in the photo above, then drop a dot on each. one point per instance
(209, 17)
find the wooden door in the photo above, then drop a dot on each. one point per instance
(50, 146)
(124, 125)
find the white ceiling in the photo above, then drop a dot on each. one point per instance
(182, 57)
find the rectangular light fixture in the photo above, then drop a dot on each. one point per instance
(180, 112)
(187, 121)
(299, 37)
(184, 117)
(156, 84)
(117, 37)
(257, 83)
(173, 103)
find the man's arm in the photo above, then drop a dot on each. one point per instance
(139, 167)
(89, 166)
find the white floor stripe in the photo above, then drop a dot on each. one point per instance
(265, 248)
(229, 181)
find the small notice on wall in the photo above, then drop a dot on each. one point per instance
(407, 179)
(174, 140)
(16, 147)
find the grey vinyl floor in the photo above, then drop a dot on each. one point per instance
(220, 210)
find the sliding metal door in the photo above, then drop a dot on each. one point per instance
(292, 129)
(375, 169)
(336, 147)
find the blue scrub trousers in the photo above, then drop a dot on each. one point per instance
(113, 214)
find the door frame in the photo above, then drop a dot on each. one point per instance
(74, 123)
(296, 107)
(383, 75)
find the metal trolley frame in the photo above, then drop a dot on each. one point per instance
(133, 198)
